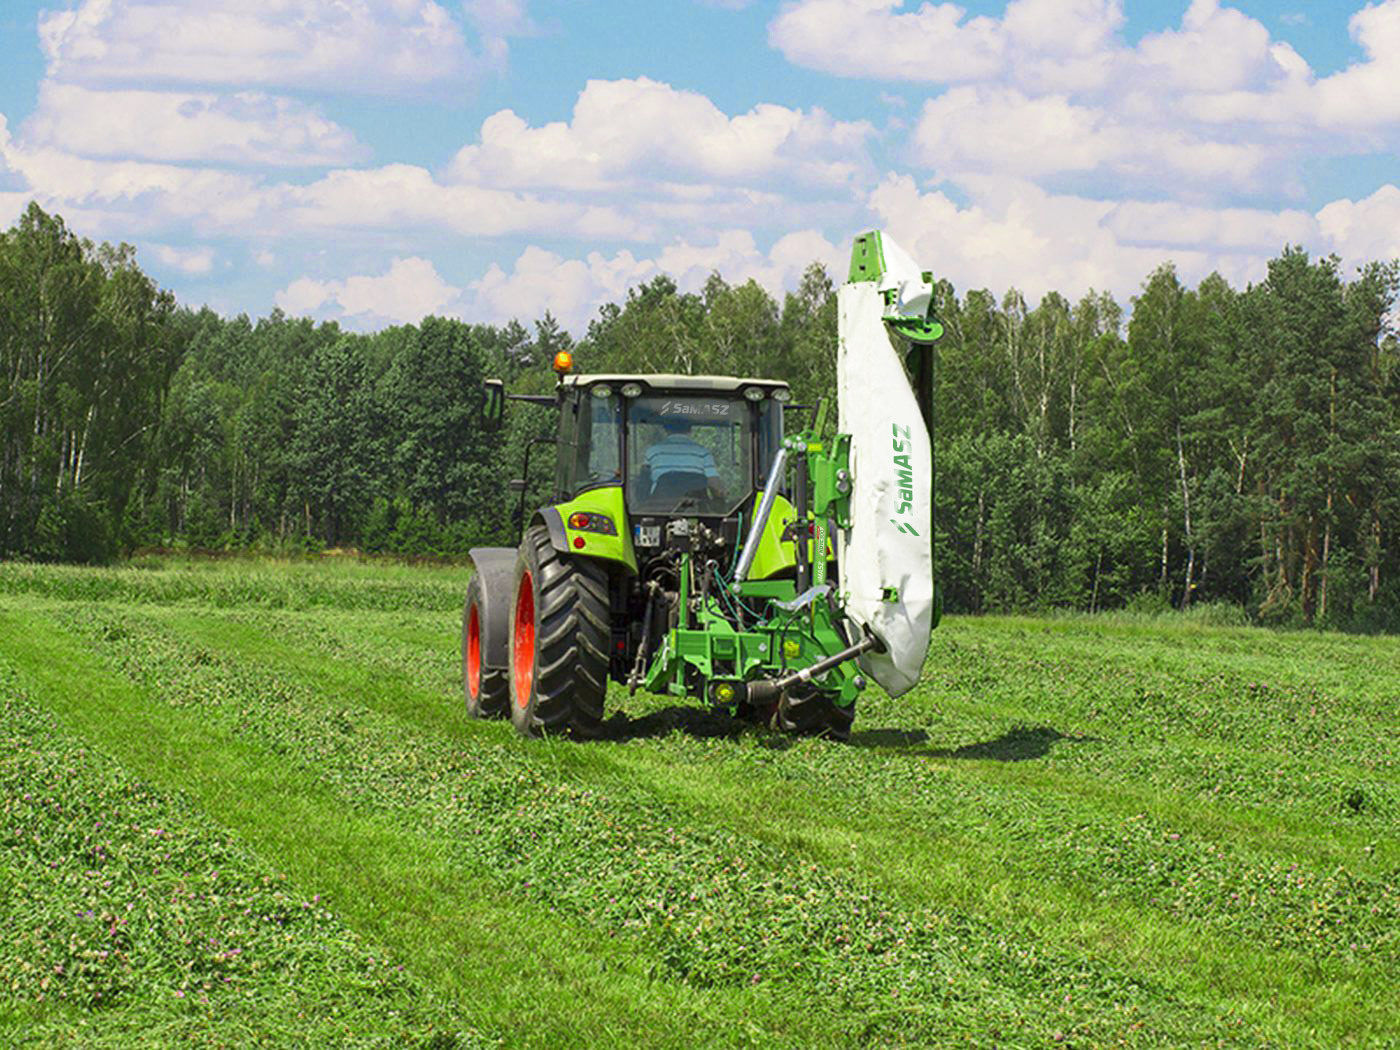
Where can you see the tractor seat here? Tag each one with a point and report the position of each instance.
(677, 484)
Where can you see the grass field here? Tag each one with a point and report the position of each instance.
(243, 805)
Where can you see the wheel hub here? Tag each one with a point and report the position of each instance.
(524, 641)
(474, 654)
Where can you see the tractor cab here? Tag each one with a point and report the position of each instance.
(676, 445)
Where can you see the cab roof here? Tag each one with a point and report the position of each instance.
(670, 381)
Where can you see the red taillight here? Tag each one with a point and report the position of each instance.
(584, 521)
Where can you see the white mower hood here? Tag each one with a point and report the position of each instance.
(886, 556)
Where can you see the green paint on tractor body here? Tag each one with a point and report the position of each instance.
(603, 506)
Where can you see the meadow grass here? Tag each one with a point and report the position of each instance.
(1095, 831)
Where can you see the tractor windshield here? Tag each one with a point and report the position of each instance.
(690, 453)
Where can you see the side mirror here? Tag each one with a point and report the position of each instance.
(493, 406)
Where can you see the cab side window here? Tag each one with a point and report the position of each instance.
(590, 440)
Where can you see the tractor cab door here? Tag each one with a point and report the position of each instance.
(590, 441)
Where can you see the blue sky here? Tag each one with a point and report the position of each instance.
(376, 160)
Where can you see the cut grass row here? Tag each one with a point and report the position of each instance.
(703, 911)
(131, 918)
(681, 889)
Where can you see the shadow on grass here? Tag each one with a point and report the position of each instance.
(1020, 744)
(715, 723)
(698, 722)
(883, 738)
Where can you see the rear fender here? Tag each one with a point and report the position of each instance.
(605, 501)
(496, 567)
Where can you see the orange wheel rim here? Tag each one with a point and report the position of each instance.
(524, 640)
(474, 654)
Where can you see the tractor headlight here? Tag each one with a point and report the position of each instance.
(782, 395)
(753, 393)
(583, 521)
(602, 390)
(631, 389)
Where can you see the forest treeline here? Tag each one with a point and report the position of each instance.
(1212, 444)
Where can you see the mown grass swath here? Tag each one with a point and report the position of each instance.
(1089, 830)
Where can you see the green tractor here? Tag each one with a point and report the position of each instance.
(697, 547)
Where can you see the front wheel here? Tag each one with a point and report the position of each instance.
(560, 625)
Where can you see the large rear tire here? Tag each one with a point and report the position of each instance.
(487, 687)
(560, 625)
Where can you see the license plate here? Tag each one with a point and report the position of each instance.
(648, 535)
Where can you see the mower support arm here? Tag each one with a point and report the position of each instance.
(760, 518)
(766, 690)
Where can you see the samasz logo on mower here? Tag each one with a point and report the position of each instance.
(903, 446)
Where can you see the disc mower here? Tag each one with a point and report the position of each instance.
(700, 547)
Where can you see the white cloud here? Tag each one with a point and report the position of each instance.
(247, 128)
(408, 291)
(1366, 93)
(1220, 66)
(875, 38)
(194, 261)
(305, 296)
(356, 45)
(991, 129)
(118, 197)
(1050, 88)
(736, 256)
(1054, 44)
(498, 20)
(404, 196)
(634, 131)
(1170, 226)
(573, 289)
(1010, 233)
(1365, 229)
(1215, 50)
(12, 202)
(1013, 233)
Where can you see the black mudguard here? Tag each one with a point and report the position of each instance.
(496, 567)
(552, 520)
